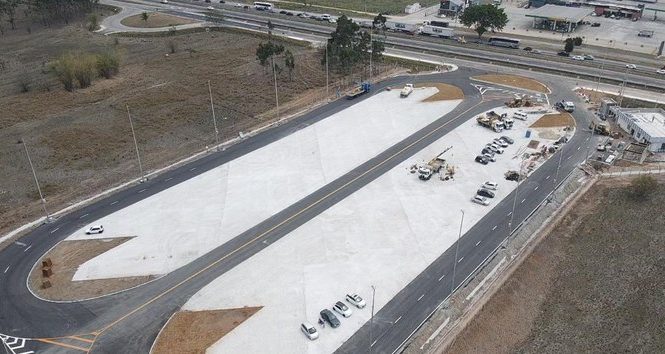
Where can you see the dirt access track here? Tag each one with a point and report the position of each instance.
(593, 284)
(155, 20)
(515, 81)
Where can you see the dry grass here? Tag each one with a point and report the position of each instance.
(446, 92)
(554, 120)
(67, 256)
(155, 20)
(594, 284)
(193, 332)
(514, 81)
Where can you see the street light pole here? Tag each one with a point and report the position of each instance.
(327, 76)
(371, 320)
(34, 174)
(459, 236)
(214, 120)
(517, 191)
(371, 53)
(136, 145)
(558, 166)
(623, 86)
(274, 72)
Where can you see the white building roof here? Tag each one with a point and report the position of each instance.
(651, 121)
(560, 13)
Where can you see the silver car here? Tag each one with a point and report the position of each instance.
(309, 330)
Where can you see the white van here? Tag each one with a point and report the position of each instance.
(520, 115)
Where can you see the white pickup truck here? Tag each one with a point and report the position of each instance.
(406, 91)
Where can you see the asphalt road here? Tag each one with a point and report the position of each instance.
(129, 321)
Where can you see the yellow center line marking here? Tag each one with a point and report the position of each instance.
(63, 344)
(167, 291)
(81, 339)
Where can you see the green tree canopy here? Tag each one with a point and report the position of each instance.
(483, 18)
(348, 45)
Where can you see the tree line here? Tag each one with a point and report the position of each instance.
(46, 12)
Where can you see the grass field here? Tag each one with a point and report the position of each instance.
(593, 285)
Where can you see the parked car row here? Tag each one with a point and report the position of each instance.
(486, 191)
(497, 145)
(330, 318)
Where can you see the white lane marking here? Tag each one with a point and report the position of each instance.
(82, 216)
(168, 179)
(116, 202)
(192, 169)
(397, 320)
(374, 342)
(535, 189)
(494, 228)
(579, 147)
(27, 248)
(7, 269)
(421, 297)
(548, 177)
(142, 190)
(587, 139)
(477, 243)
(20, 244)
(510, 213)
(568, 158)
(523, 200)
(56, 229)
(460, 259)
(441, 277)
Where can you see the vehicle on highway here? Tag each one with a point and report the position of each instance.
(504, 42)
(485, 193)
(563, 53)
(324, 17)
(282, 12)
(490, 157)
(95, 229)
(631, 66)
(577, 57)
(164, 1)
(490, 185)
(330, 317)
(660, 71)
(210, 8)
(588, 57)
(482, 159)
(480, 200)
(263, 6)
(500, 142)
(304, 15)
(565, 106)
(528, 49)
(508, 139)
(342, 309)
(355, 300)
(309, 330)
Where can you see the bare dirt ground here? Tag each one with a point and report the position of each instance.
(193, 332)
(66, 257)
(594, 284)
(155, 20)
(80, 142)
(554, 120)
(446, 92)
(514, 81)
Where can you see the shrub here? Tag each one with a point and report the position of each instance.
(93, 22)
(85, 69)
(577, 41)
(63, 68)
(108, 64)
(641, 187)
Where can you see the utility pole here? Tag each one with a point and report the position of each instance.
(274, 72)
(34, 174)
(214, 120)
(602, 66)
(558, 166)
(371, 52)
(371, 320)
(623, 86)
(459, 236)
(136, 146)
(517, 190)
(327, 77)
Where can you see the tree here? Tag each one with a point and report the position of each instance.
(266, 51)
(290, 63)
(577, 41)
(642, 187)
(379, 22)
(271, 26)
(144, 16)
(108, 64)
(93, 22)
(9, 9)
(348, 45)
(483, 18)
(569, 46)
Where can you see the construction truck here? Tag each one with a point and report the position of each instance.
(435, 165)
(600, 128)
(406, 91)
(519, 102)
(496, 122)
(359, 90)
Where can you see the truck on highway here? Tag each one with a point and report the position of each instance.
(406, 91)
(359, 90)
(401, 27)
(436, 29)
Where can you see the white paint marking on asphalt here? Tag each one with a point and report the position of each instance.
(168, 179)
(421, 297)
(142, 190)
(568, 158)
(374, 342)
(20, 244)
(116, 202)
(27, 248)
(535, 189)
(477, 243)
(510, 213)
(523, 200)
(7, 269)
(579, 147)
(587, 139)
(460, 259)
(436, 333)
(397, 320)
(56, 229)
(494, 228)
(441, 277)
(82, 216)
(548, 177)
(192, 169)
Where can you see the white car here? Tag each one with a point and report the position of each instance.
(661, 71)
(631, 66)
(490, 157)
(342, 309)
(495, 148)
(480, 200)
(491, 185)
(210, 8)
(501, 143)
(95, 229)
(577, 57)
(309, 330)
(355, 300)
